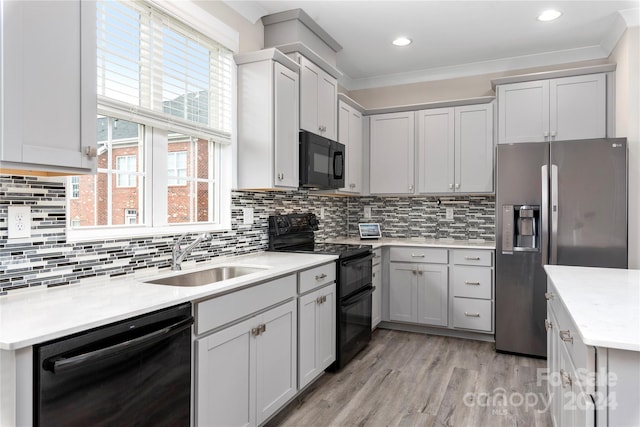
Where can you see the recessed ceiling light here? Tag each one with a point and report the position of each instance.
(549, 15)
(402, 41)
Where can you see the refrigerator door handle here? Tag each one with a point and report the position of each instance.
(545, 214)
(553, 259)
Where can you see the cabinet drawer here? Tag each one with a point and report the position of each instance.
(377, 256)
(316, 277)
(473, 257)
(472, 314)
(215, 312)
(417, 254)
(472, 282)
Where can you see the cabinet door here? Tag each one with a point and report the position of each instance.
(392, 153)
(376, 300)
(578, 107)
(350, 134)
(474, 149)
(276, 363)
(553, 369)
(309, 79)
(317, 333)
(402, 292)
(436, 150)
(523, 112)
(49, 84)
(286, 127)
(327, 105)
(225, 378)
(432, 294)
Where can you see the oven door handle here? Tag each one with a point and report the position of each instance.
(60, 364)
(356, 260)
(355, 299)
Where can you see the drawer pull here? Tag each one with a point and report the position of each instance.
(471, 283)
(321, 300)
(547, 324)
(417, 255)
(259, 330)
(321, 276)
(472, 314)
(548, 295)
(472, 258)
(566, 336)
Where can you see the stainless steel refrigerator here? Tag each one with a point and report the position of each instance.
(559, 202)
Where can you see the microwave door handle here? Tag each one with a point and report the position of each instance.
(337, 154)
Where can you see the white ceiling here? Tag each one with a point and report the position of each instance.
(454, 38)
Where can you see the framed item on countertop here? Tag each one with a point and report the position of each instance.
(369, 231)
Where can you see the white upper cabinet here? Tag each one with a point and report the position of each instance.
(48, 92)
(555, 109)
(318, 100)
(455, 149)
(350, 134)
(267, 120)
(392, 153)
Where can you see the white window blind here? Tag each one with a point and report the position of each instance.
(155, 70)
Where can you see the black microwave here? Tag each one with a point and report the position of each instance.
(321, 162)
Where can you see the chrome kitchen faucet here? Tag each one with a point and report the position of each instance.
(178, 253)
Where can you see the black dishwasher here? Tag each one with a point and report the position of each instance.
(136, 372)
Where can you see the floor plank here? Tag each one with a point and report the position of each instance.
(406, 379)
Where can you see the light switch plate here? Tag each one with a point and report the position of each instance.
(247, 216)
(367, 212)
(19, 222)
(449, 213)
(323, 212)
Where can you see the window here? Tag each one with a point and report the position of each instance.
(125, 165)
(177, 166)
(164, 129)
(75, 187)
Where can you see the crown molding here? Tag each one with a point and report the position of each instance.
(250, 10)
(477, 68)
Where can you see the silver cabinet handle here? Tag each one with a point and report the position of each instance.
(471, 314)
(546, 134)
(553, 134)
(457, 186)
(258, 330)
(566, 336)
(450, 186)
(547, 324)
(91, 152)
(321, 276)
(255, 331)
(472, 258)
(471, 283)
(566, 378)
(321, 300)
(411, 188)
(417, 255)
(415, 272)
(549, 295)
(352, 185)
(420, 272)
(373, 274)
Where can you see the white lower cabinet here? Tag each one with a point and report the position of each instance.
(246, 372)
(316, 333)
(418, 292)
(376, 297)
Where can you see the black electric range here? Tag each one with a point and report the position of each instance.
(295, 233)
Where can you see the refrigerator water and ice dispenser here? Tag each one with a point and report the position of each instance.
(520, 228)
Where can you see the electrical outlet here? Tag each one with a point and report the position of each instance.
(323, 211)
(19, 222)
(448, 213)
(367, 212)
(247, 216)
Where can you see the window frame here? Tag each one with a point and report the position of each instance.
(203, 21)
(126, 173)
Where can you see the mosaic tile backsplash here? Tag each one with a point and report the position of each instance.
(47, 259)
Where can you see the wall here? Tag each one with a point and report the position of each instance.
(251, 35)
(627, 56)
(444, 90)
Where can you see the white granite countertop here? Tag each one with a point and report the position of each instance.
(604, 303)
(417, 241)
(36, 315)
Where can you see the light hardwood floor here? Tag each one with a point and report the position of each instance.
(409, 379)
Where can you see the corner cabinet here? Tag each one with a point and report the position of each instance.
(318, 99)
(554, 109)
(350, 134)
(455, 149)
(48, 92)
(392, 147)
(267, 120)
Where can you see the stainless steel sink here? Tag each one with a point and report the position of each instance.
(206, 277)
